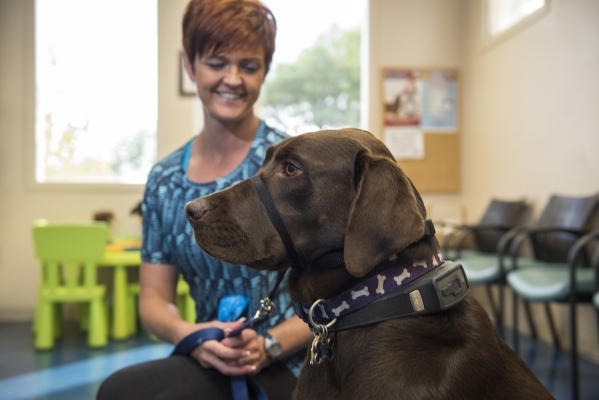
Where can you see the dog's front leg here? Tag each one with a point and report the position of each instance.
(317, 382)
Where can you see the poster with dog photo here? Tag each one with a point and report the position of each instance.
(402, 98)
(424, 98)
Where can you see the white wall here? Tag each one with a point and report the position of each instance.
(531, 126)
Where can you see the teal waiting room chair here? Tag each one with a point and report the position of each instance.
(491, 237)
(68, 253)
(583, 287)
(558, 245)
(563, 221)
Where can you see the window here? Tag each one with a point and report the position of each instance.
(96, 77)
(314, 81)
(500, 15)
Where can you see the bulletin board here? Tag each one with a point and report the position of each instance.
(420, 108)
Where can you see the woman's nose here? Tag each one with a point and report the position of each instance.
(233, 77)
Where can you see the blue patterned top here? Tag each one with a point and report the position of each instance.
(168, 237)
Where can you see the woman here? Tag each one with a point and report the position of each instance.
(228, 49)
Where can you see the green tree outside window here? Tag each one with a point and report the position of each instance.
(321, 89)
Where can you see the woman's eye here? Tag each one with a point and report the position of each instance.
(216, 66)
(250, 68)
(290, 169)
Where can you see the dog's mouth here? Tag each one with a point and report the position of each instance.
(233, 249)
(269, 264)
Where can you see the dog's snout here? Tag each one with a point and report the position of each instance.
(195, 210)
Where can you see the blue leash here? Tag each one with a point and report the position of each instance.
(240, 385)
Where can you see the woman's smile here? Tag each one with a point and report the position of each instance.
(229, 83)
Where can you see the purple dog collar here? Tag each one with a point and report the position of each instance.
(368, 291)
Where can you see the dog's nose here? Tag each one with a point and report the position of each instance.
(195, 210)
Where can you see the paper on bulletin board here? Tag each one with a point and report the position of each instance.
(405, 143)
(439, 97)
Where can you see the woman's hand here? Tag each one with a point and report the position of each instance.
(253, 346)
(237, 355)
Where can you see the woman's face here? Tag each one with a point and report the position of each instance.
(229, 83)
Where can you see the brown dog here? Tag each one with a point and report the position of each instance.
(343, 190)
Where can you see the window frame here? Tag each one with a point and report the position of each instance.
(489, 41)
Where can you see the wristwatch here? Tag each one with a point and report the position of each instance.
(272, 347)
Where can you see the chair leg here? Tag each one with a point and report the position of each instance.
(500, 325)
(574, 350)
(132, 314)
(494, 308)
(515, 322)
(44, 335)
(97, 335)
(554, 336)
(598, 323)
(181, 305)
(531, 322)
(190, 309)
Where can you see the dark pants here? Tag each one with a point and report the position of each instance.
(180, 377)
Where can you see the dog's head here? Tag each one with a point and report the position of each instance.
(336, 189)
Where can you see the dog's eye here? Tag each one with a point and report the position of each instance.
(290, 169)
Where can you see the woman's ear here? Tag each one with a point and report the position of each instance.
(189, 67)
(384, 217)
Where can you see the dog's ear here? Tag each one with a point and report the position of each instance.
(384, 217)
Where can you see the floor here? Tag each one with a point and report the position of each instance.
(73, 371)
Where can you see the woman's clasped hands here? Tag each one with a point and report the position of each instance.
(242, 354)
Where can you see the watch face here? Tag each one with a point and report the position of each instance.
(273, 347)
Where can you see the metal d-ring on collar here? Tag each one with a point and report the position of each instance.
(322, 345)
(322, 329)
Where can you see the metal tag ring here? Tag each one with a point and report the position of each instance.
(314, 324)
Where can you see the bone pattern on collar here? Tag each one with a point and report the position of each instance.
(368, 290)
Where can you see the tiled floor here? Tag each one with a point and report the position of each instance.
(73, 371)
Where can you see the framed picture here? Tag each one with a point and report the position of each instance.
(187, 87)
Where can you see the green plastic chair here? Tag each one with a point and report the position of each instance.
(185, 304)
(68, 253)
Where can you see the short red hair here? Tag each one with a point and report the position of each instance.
(212, 26)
